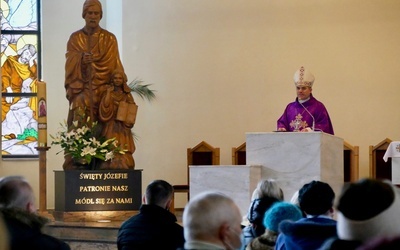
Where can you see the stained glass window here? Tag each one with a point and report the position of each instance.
(21, 69)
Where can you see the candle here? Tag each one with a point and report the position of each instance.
(42, 114)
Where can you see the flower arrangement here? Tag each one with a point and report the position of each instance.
(82, 144)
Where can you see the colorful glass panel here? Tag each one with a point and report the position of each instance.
(20, 66)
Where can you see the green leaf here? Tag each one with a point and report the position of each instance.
(142, 90)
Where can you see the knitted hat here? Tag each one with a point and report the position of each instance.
(279, 212)
(316, 198)
(367, 209)
(303, 77)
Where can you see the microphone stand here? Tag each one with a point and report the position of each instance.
(313, 123)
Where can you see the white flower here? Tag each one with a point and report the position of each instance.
(72, 149)
(109, 155)
(107, 142)
(70, 134)
(81, 142)
(88, 151)
(94, 141)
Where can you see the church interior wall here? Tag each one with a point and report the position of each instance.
(224, 68)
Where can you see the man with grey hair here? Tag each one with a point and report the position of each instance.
(211, 220)
(19, 213)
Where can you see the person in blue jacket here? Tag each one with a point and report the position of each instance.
(316, 201)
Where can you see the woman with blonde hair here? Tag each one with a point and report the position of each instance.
(267, 188)
(264, 196)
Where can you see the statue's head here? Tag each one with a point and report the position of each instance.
(120, 72)
(119, 78)
(90, 3)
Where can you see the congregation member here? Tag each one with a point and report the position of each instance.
(155, 227)
(24, 225)
(295, 201)
(264, 196)
(211, 221)
(316, 200)
(279, 212)
(306, 113)
(368, 216)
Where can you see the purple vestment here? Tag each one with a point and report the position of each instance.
(295, 118)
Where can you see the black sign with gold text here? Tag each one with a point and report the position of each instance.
(98, 190)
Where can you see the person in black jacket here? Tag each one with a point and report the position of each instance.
(154, 227)
(264, 196)
(19, 213)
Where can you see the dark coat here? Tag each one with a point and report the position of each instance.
(255, 215)
(153, 228)
(25, 231)
(306, 233)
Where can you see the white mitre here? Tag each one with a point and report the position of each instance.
(303, 77)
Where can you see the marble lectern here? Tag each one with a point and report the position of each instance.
(393, 151)
(236, 181)
(295, 158)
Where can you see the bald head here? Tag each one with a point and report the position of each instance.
(16, 192)
(207, 214)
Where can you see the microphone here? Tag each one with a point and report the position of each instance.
(313, 119)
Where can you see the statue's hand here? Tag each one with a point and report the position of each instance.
(110, 88)
(87, 58)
